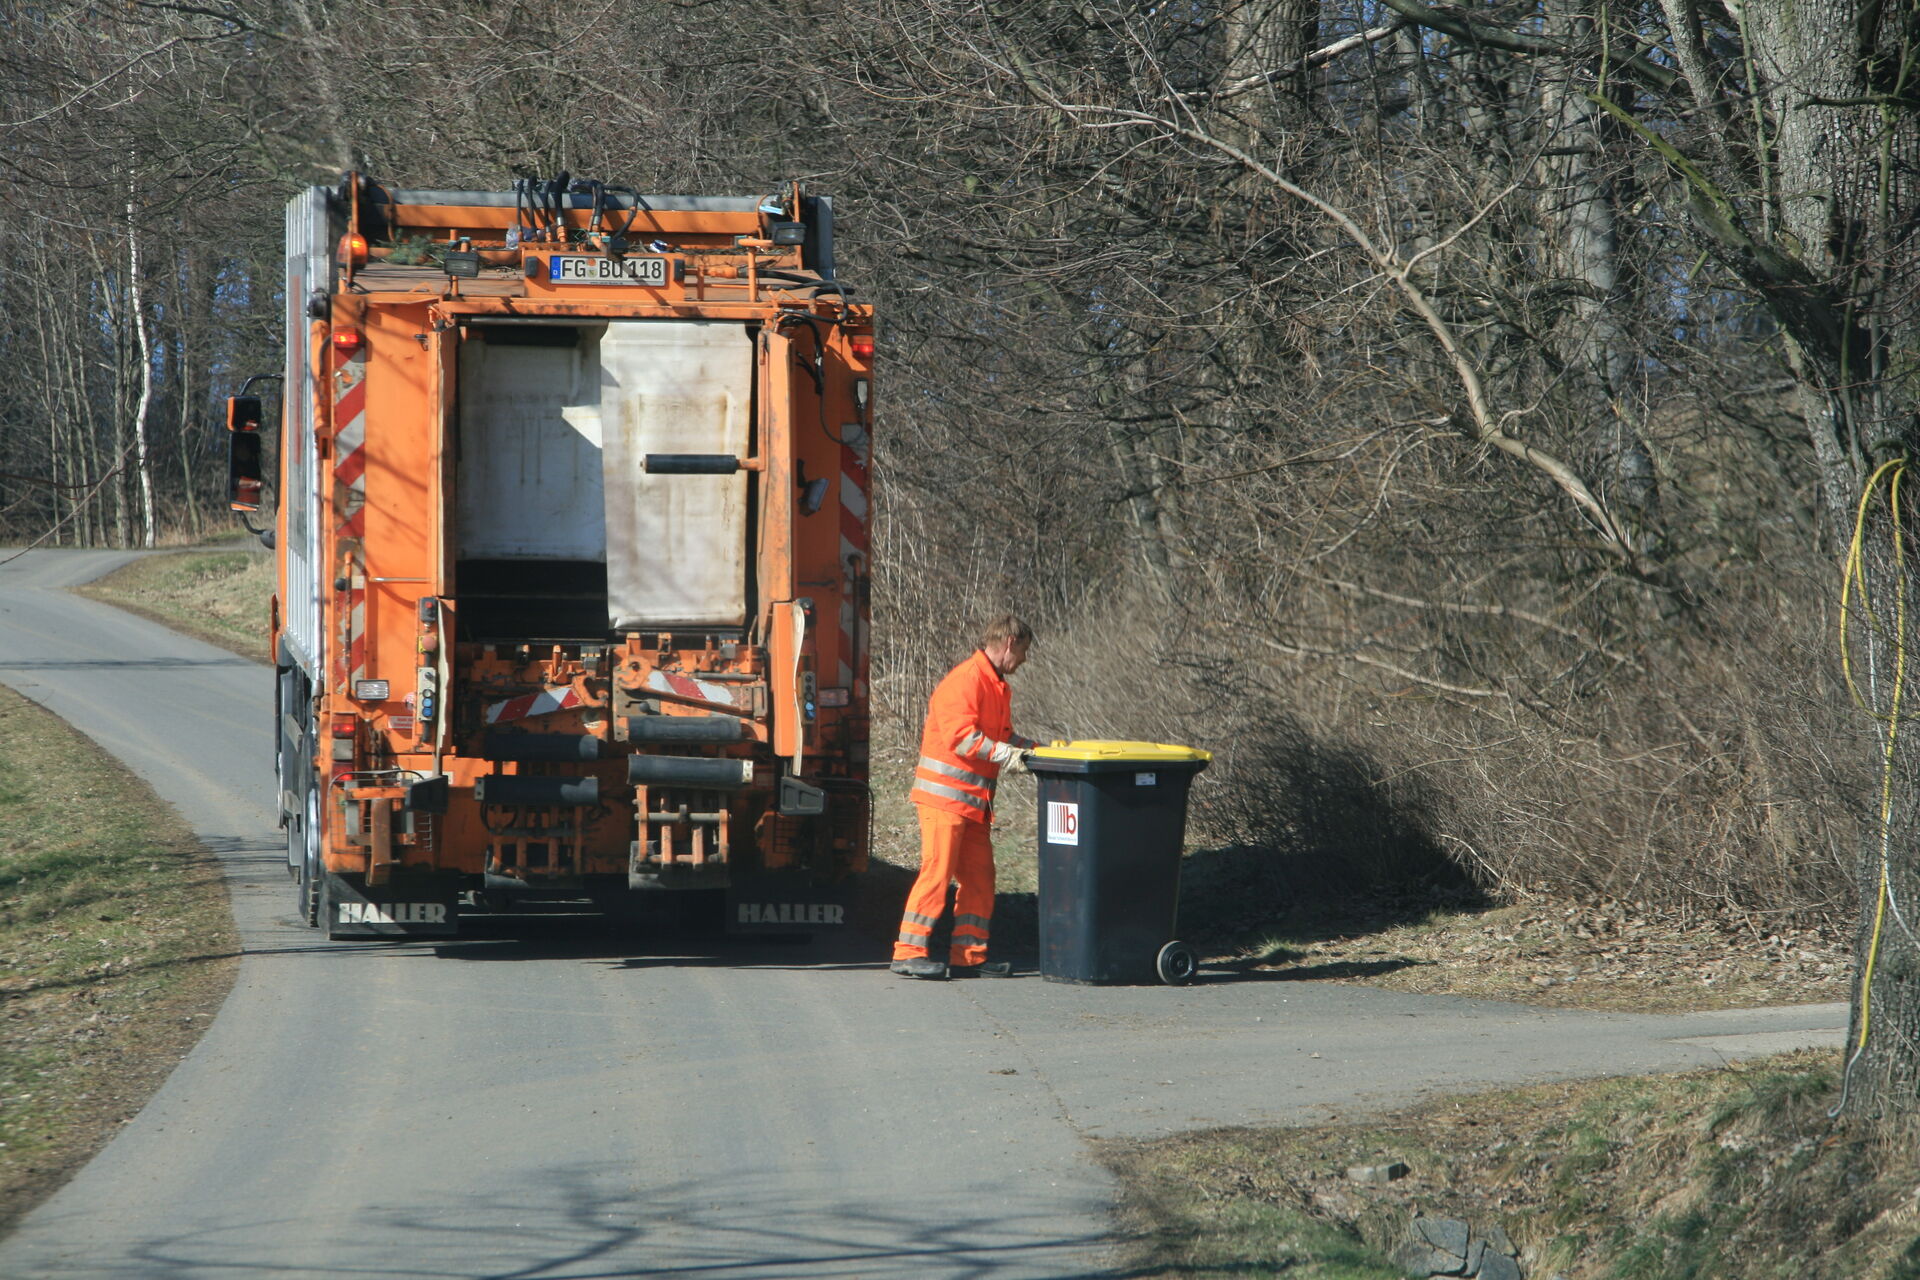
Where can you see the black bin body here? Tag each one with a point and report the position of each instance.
(1111, 831)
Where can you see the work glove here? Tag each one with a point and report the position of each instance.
(1005, 754)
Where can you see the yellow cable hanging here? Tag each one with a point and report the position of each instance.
(1855, 570)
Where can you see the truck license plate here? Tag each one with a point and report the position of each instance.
(582, 270)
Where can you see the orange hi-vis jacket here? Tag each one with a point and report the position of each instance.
(970, 713)
(968, 716)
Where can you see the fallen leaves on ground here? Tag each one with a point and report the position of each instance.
(1603, 955)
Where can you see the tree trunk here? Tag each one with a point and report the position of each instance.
(1582, 203)
(1844, 147)
(322, 61)
(186, 423)
(144, 349)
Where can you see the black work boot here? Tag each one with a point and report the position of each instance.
(986, 969)
(919, 967)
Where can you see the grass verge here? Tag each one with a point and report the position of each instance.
(217, 596)
(116, 948)
(1729, 1174)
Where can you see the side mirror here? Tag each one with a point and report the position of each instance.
(245, 480)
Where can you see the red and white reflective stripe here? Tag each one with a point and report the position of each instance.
(688, 687)
(349, 505)
(853, 541)
(555, 697)
(349, 447)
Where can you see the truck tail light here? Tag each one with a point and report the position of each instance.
(862, 344)
(345, 726)
(347, 341)
(429, 613)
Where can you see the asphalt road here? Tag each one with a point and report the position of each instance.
(576, 1102)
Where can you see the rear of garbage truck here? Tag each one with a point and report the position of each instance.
(571, 518)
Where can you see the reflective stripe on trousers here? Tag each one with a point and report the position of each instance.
(969, 932)
(915, 931)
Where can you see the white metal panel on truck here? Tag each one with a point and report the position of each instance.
(528, 480)
(676, 544)
(309, 271)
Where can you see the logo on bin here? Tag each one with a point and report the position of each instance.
(1063, 823)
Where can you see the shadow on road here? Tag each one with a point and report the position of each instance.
(1333, 972)
(124, 664)
(662, 939)
(592, 1220)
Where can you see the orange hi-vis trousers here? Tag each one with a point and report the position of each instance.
(952, 848)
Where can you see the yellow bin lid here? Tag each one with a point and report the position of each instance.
(1102, 750)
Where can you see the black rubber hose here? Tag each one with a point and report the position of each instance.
(710, 773)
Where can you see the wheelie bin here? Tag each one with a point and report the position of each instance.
(1113, 817)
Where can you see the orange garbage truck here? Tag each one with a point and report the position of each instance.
(570, 507)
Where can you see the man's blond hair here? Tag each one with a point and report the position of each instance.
(1006, 627)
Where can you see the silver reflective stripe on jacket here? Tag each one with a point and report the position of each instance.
(946, 792)
(958, 774)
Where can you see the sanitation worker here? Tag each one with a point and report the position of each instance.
(968, 739)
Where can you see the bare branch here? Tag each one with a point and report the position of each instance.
(1484, 427)
(1319, 57)
(1483, 610)
(1301, 651)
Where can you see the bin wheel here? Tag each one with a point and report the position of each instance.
(1177, 964)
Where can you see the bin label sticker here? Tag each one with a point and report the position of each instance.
(1063, 823)
(1146, 779)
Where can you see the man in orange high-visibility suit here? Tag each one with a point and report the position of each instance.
(968, 739)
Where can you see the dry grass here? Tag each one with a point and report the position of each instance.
(116, 947)
(217, 596)
(1729, 1174)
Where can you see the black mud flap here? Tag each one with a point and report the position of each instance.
(418, 910)
(785, 902)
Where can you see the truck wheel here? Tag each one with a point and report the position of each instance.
(1177, 964)
(302, 869)
(307, 852)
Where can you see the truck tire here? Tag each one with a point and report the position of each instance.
(304, 846)
(302, 873)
